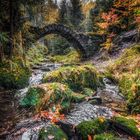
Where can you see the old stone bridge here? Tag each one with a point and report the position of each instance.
(84, 44)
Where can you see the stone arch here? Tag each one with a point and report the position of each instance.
(71, 36)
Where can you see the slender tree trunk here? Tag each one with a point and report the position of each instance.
(1, 53)
(11, 28)
(22, 47)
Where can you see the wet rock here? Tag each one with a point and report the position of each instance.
(96, 100)
(67, 128)
(110, 93)
(86, 111)
(36, 67)
(28, 129)
(45, 69)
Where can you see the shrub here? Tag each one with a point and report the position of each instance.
(13, 75)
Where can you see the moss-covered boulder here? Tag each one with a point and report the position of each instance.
(127, 71)
(105, 136)
(107, 129)
(13, 74)
(76, 77)
(129, 126)
(92, 127)
(48, 95)
(52, 133)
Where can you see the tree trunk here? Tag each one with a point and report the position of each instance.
(1, 53)
(11, 28)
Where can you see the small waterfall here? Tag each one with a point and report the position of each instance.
(110, 91)
(37, 76)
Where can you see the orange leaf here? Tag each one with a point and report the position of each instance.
(89, 137)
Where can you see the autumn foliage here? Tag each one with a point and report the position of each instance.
(53, 116)
(109, 19)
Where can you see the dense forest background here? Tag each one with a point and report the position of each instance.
(109, 18)
(113, 27)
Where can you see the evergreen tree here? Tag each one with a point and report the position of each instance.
(63, 12)
(89, 22)
(13, 18)
(76, 12)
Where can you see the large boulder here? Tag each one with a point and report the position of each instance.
(76, 77)
(49, 96)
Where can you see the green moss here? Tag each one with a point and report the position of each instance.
(48, 95)
(36, 54)
(88, 92)
(76, 77)
(52, 131)
(72, 57)
(77, 97)
(127, 71)
(62, 94)
(129, 124)
(91, 128)
(32, 98)
(105, 136)
(134, 102)
(13, 74)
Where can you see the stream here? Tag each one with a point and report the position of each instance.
(110, 100)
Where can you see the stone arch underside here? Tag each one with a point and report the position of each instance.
(71, 36)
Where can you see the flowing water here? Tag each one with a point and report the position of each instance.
(37, 75)
(90, 110)
(27, 129)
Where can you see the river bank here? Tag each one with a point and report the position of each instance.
(102, 103)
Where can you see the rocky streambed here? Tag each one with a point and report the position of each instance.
(103, 104)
